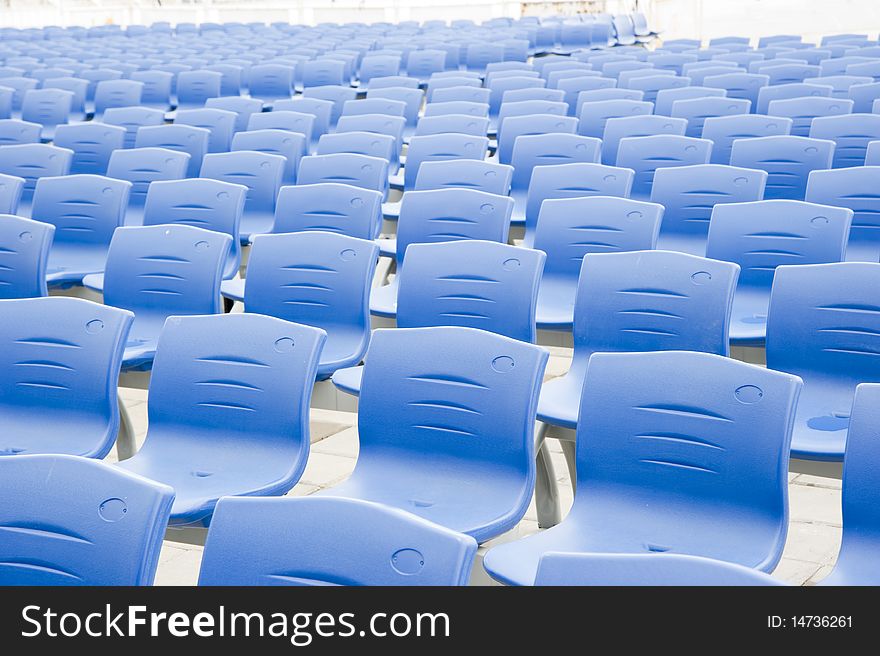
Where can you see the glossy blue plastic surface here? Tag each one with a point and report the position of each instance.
(76, 521)
(32, 162)
(371, 144)
(856, 188)
(690, 192)
(724, 130)
(441, 147)
(823, 325)
(48, 108)
(133, 118)
(518, 126)
(261, 173)
(666, 98)
(802, 111)
(392, 126)
(762, 235)
(338, 95)
(696, 110)
(594, 114)
(142, 166)
(202, 203)
(466, 173)
(290, 145)
(15, 131)
(457, 107)
(241, 106)
(319, 279)
(679, 452)
(640, 569)
(11, 187)
(195, 87)
(269, 82)
(219, 122)
(161, 271)
(645, 155)
(739, 85)
(788, 161)
(329, 207)
(117, 93)
(24, 254)
(445, 422)
(183, 138)
(92, 144)
(577, 180)
(228, 410)
(61, 357)
(641, 301)
(851, 134)
(476, 126)
(337, 542)
(412, 99)
(345, 168)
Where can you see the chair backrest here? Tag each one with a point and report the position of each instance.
(329, 207)
(422, 386)
(270, 81)
(762, 235)
(391, 546)
(527, 108)
(530, 151)
(569, 228)
(825, 318)
(91, 523)
(466, 173)
(394, 81)
(117, 93)
(862, 95)
(34, 161)
(141, 166)
(338, 95)
(652, 301)
(260, 172)
(855, 188)
(92, 144)
(319, 279)
(132, 119)
(850, 133)
(787, 91)
(576, 180)
(290, 145)
(242, 107)
(453, 123)
(201, 203)
(183, 138)
(471, 283)
(676, 434)
(666, 97)
(788, 161)
(195, 87)
(618, 128)
(300, 122)
(739, 85)
(697, 110)
(165, 270)
(723, 131)
(372, 144)
(47, 107)
(517, 126)
(373, 66)
(157, 88)
(219, 122)
(802, 111)
(14, 131)
(61, 356)
(537, 93)
(457, 90)
(24, 253)
(689, 193)
(11, 188)
(451, 214)
(645, 155)
(346, 168)
(457, 108)
(412, 99)
(321, 110)
(441, 147)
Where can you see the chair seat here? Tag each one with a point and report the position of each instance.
(233, 289)
(348, 379)
(388, 247)
(748, 318)
(25, 434)
(94, 281)
(383, 300)
(255, 223)
(555, 309)
(559, 403)
(518, 216)
(342, 349)
(822, 420)
(72, 265)
(140, 348)
(444, 495)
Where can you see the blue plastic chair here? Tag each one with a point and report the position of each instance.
(392, 126)
(855, 563)
(645, 155)
(578, 180)
(470, 174)
(663, 103)
(182, 138)
(739, 85)
(436, 147)
(300, 122)
(142, 166)
(840, 84)
(290, 145)
(518, 126)
(724, 130)
(79, 522)
(329, 207)
(322, 72)
(641, 301)
(452, 124)
(445, 382)
(268, 82)
(157, 88)
(157, 272)
(132, 119)
(763, 235)
(528, 108)
(498, 87)
(822, 326)
(261, 173)
(321, 110)
(412, 99)
(31, 162)
(570, 228)
(679, 452)
(392, 547)
(790, 91)
(201, 203)
(457, 108)
(24, 254)
(378, 65)
(862, 95)
(14, 131)
(117, 93)
(382, 106)
(394, 81)
(241, 106)
(195, 87)
(788, 161)
(697, 110)
(92, 144)
(855, 188)
(372, 144)
(651, 85)
(802, 111)
(461, 90)
(338, 95)
(228, 410)
(618, 128)
(439, 215)
(346, 168)
(62, 358)
(48, 108)
(850, 133)
(319, 279)
(11, 188)
(641, 569)
(470, 283)
(219, 122)
(230, 78)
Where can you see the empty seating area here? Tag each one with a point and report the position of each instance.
(546, 301)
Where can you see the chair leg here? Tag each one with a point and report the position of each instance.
(568, 450)
(546, 490)
(125, 442)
